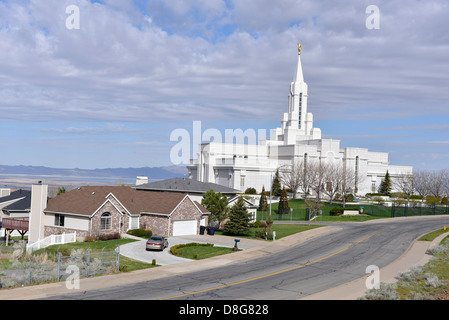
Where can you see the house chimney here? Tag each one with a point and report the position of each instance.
(39, 195)
(5, 192)
(141, 180)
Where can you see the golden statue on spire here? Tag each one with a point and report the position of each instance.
(299, 49)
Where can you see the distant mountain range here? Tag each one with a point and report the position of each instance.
(157, 173)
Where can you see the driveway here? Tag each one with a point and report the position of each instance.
(136, 250)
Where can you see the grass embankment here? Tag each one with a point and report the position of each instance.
(95, 247)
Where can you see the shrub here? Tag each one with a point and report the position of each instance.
(439, 249)
(90, 239)
(143, 233)
(257, 224)
(413, 274)
(386, 291)
(432, 200)
(260, 233)
(109, 236)
(250, 190)
(432, 280)
(336, 211)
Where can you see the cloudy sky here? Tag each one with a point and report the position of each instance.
(110, 93)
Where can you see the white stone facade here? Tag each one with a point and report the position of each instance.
(241, 166)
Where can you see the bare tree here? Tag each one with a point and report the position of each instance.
(317, 177)
(405, 182)
(348, 180)
(292, 176)
(333, 178)
(436, 183)
(421, 183)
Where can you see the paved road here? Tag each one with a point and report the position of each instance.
(314, 266)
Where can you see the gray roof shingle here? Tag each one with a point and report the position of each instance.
(186, 185)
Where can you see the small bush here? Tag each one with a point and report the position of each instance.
(336, 211)
(109, 236)
(90, 239)
(260, 233)
(386, 291)
(413, 274)
(432, 280)
(250, 190)
(142, 233)
(257, 224)
(439, 249)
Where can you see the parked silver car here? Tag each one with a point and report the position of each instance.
(157, 242)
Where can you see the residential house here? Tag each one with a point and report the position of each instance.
(97, 210)
(14, 204)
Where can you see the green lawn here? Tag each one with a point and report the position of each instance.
(432, 235)
(370, 211)
(282, 230)
(299, 212)
(202, 252)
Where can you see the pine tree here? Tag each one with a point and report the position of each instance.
(263, 203)
(276, 186)
(385, 186)
(239, 219)
(283, 208)
(217, 205)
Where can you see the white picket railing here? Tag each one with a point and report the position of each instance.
(51, 240)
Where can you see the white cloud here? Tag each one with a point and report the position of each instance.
(170, 61)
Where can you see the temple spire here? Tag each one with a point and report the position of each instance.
(298, 77)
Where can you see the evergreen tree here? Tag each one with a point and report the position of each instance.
(239, 219)
(217, 205)
(283, 208)
(385, 186)
(269, 228)
(276, 188)
(263, 203)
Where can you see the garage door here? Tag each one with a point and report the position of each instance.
(186, 227)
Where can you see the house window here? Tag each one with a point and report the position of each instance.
(106, 221)
(59, 220)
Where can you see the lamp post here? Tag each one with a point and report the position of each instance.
(271, 187)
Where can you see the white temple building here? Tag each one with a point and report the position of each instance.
(244, 165)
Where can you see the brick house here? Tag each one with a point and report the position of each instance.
(97, 210)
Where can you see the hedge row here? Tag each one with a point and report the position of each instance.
(143, 233)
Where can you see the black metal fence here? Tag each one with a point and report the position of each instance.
(300, 211)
